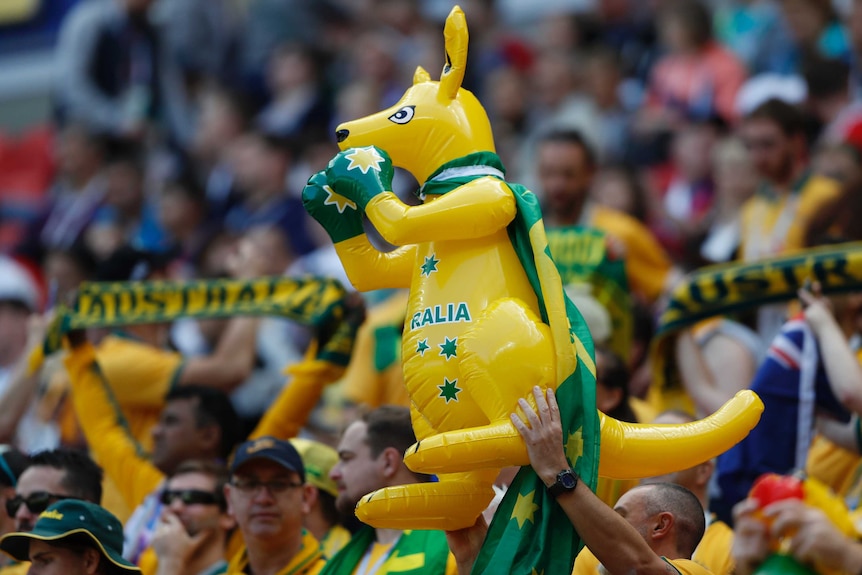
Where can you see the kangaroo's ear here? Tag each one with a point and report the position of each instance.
(420, 75)
(455, 40)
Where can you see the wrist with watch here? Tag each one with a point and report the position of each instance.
(566, 482)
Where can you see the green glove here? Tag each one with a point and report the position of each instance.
(360, 174)
(339, 216)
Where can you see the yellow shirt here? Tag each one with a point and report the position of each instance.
(308, 561)
(140, 376)
(374, 376)
(111, 444)
(334, 540)
(714, 550)
(647, 264)
(831, 464)
(15, 569)
(774, 224)
(587, 564)
(610, 490)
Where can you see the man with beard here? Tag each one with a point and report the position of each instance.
(788, 210)
(792, 206)
(269, 498)
(370, 456)
(192, 534)
(566, 167)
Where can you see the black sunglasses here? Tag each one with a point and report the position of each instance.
(36, 502)
(189, 497)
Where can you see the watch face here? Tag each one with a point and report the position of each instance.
(568, 480)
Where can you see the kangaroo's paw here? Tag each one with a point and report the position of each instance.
(491, 446)
(446, 505)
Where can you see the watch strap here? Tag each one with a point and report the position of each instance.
(567, 480)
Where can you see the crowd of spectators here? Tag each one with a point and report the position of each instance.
(182, 132)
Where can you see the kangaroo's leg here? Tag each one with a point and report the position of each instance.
(505, 353)
(452, 503)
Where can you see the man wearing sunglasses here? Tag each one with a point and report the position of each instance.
(192, 534)
(52, 476)
(269, 498)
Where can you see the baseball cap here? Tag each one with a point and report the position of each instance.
(272, 449)
(69, 517)
(318, 460)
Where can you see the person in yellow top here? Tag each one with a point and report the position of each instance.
(566, 166)
(792, 207)
(788, 211)
(138, 352)
(323, 519)
(196, 423)
(652, 529)
(374, 376)
(714, 550)
(269, 498)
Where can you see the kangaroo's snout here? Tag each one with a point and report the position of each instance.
(341, 135)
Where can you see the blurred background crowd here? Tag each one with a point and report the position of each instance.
(147, 139)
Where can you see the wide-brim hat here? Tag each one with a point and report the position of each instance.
(70, 517)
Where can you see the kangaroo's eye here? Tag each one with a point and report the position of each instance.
(403, 115)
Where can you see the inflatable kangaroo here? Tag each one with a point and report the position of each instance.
(487, 318)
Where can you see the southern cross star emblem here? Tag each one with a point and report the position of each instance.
(575, 445)
(449, 348)
(430, 265)
(340, 202)
(422, 347)
(364, 159)
(449, 390)
(525, 508)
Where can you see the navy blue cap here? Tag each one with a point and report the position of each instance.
(276, 450)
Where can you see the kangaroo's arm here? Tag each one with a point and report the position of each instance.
(370, 269)
(474, 210)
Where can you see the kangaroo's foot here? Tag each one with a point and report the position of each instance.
(449, 504)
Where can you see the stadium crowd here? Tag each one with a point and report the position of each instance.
(683, 132)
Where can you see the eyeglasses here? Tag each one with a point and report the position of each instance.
(189, 497)
(36, 502)
(276, 487)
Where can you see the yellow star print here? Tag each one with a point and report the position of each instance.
(575, 446)
(534, 572)
(340, 202)
(525, 508)
(364, 159)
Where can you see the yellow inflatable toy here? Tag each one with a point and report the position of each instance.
(487, 318)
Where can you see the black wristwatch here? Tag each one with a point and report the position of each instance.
(566, 482)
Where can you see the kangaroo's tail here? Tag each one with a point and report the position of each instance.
(631, 451)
